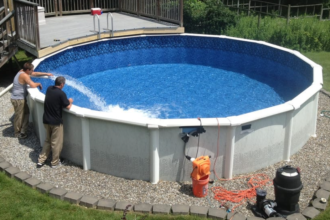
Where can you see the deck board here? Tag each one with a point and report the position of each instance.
(75, 26)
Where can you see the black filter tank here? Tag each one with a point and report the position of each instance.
(287, 186)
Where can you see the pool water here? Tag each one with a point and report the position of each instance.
(177, 77)
(170, 91)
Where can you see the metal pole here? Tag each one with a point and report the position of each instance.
(237, 7)
(86, 151)
(6, 90)
(288, 16)
(154, 153)
(280, 8)
(249, 7)
(288, 136)
(298, 12)
(321, 16)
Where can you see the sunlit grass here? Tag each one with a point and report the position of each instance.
(322, 58)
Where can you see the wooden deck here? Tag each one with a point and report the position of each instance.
(60, 32)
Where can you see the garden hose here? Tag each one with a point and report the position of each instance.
(325, 113)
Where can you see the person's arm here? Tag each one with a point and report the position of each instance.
(70, 105)
(41, 74)
(28, 80)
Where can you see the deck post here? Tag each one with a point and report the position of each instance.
(16, 22)
(56, 8)
(37, 35)
(120, 5)
(138, 8)
(158, 10)
(181, 13)
(61, 8)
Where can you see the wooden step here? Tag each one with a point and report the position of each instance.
(4, 33)
(4, 45)
(5, 57)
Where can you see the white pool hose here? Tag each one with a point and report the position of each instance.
(6, 90)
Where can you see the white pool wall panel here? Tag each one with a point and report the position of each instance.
(129, 148)
(262, 146)
(119, 149)
(303, 122)
(173, 163)
(72, 143)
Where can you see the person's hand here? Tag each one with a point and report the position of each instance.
(49, 74)
(70, 100)
(40, 86)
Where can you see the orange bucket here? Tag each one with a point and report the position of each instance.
(200, 187)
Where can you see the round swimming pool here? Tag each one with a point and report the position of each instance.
(135, 96)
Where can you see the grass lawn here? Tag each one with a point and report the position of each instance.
(18, 201)
(323, 59)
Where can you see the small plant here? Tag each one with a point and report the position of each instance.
(125, 212)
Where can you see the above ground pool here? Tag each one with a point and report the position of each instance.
(135, 99)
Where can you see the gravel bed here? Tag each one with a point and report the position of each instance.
(313, 160)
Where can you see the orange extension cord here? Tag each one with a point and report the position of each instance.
(238, 196)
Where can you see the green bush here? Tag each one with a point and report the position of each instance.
(303, 34)
(207, 17)
(212, 17)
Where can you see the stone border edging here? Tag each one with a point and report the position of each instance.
(315, 208)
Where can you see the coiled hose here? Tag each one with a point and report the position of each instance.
(325, 113)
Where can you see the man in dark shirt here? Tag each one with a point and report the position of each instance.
(55, 101)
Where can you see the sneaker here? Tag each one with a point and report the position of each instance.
(58, 165)
(22, 136)
(39, 165)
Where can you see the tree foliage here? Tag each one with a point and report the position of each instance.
(212, 17)
(207, 17)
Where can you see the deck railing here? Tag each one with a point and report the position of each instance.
(164, 10)
(7, 36)
(167, 10)
(5, 29)
(26, 23)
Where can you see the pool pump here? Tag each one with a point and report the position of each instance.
(264, 207)
(287, 187)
